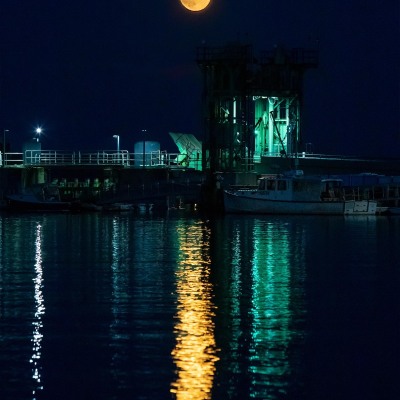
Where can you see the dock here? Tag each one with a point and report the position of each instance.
(104, 176)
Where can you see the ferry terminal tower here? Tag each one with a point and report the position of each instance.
(251, 104)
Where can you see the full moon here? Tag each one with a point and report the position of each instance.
(195, 5)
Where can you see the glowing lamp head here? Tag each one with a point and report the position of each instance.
(38, 131)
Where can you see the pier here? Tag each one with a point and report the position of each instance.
(104, 176)
(154, 179)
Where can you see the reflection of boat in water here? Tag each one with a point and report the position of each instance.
(295, 194)
(40, 198)
(84, 206)
(118, 207)
(3, 204)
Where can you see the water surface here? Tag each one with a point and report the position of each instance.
(178, 306)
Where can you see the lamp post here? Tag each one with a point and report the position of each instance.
(117, 137)
(144, 147)
(4, 146)
(38, 132)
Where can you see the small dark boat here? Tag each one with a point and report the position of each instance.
(42, 198)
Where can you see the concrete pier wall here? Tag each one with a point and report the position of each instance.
(106, 183)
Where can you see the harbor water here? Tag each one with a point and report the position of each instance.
(182, 306)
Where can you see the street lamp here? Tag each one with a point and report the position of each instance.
(144, 131)
(4, 146)
(38, 132)
(117, 137)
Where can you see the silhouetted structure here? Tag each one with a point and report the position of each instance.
(251, 104)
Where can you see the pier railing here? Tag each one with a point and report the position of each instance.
(154, 159)
(54, 157)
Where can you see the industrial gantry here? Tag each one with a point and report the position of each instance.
(251, 104)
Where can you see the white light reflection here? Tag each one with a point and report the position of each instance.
(39, 312)
(195, 352)
(119, 334)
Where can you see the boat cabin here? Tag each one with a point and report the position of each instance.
(331, 189)
(276, 188)
(300, 188)
(273, 184)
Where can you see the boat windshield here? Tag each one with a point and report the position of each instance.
(272, 184)
(331, 189)
(282, 184)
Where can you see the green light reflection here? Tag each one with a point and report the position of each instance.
(261, 305)
(270, 300)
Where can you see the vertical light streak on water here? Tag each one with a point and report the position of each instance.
(235, 289)
(39, 313)
(270, 309)
(195, 352)
(119, 333)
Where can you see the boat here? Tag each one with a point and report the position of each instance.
(293, 193)
(40, 198)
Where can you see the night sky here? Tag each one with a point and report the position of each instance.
(87, 70)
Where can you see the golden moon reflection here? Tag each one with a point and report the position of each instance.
(195, 5)
(195, 352)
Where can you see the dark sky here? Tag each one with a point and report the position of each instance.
(86, 70)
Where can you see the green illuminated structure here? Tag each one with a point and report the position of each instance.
(251, 104)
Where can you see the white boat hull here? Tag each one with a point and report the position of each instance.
(247, 202)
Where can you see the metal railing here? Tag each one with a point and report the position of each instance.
(123, 158)
(57, 157)
(13, 159)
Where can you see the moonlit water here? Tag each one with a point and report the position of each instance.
(177, 306)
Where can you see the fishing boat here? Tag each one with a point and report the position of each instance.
(39, 198)
(293, 193)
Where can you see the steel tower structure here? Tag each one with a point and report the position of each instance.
(251, 104)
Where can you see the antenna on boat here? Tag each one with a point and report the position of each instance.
(283, 151)
(296, 153)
